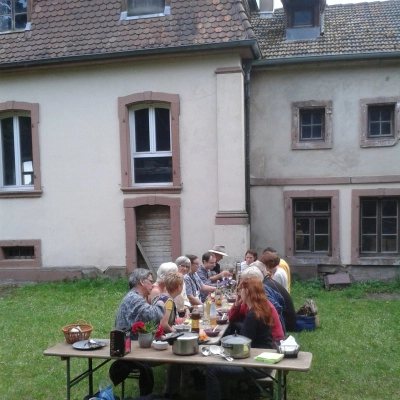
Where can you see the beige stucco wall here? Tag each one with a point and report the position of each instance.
(80, 216)
(272, 92)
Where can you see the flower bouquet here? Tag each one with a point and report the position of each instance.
(146, 332)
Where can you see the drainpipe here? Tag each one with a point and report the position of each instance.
(247, 68)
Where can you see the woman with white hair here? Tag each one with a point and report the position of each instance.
(159, 286)
(181, 301)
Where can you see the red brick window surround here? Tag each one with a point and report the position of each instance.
(311, 125)
(380, 121)
(20, 253)
(19, 152)
(149, 102)
(302, 255)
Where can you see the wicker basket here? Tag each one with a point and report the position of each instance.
(83, 334)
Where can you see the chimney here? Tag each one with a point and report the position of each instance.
(266, 8)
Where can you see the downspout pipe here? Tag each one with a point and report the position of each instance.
(247, 68)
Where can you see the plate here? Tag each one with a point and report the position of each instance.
(83, 345)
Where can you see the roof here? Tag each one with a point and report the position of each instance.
(349, 29)
(83, 28)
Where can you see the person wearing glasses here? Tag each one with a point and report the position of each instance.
(181, 301)
(134, 308)
(194, 285)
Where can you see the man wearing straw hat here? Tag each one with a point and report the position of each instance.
(219, 252)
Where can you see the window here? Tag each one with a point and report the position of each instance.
(379, 225)
(19, 149)
(380, 122)
(20, 253)
(145, 8)
(151, 144)
(13, 15)
(149, 126)
(302, 17)
(312, 227)
(312, 125)
(312, 221)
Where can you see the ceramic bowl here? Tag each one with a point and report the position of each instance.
(221, 311)
(211, 333)
(158, 345)
(221, 321)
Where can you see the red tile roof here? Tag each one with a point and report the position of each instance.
(82, 28)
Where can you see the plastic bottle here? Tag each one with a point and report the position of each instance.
(195, 316)
(218, 295)
(213, 315)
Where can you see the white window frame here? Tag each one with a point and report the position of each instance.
(17, 154)
(167, 10)
(153, 152)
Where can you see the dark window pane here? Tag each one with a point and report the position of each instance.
(322, 226)
(374, 114)
(25, 135)
(20, 21)
(317, 118)
(145, 7)
(389, 244)
(368, 244)
(322, 243)
(8, 151)
(386, 128)
(20, 6)
(368, 208)
(306, 118)
(302, 17)
(303, 206)
(368, 226)
(321, 206)
(374, 129)
(142, 132)
(386, 114)
(5, 7)
(389, 208)
(316, 132)
(153, 170)
(163, 136)
(305, 132)
(5, 23)
(389, 226)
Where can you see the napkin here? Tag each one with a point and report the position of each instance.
(290, 341)
(270, 358)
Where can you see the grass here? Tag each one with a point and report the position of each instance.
(355, 349)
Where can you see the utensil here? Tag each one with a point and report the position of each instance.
(215, 328)
(216, 350)
(205, 351)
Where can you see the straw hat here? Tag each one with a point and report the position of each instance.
(218, 249)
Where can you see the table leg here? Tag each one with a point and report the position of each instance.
(90, 369)
(68, 378)
(280, 385)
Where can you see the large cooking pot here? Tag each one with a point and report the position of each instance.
(184, 344)
(236, 346)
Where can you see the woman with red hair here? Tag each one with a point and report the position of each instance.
(257, 327)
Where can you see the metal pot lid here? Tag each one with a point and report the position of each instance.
(188, 336)
(235, 339)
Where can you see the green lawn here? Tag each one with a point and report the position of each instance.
(355, 350)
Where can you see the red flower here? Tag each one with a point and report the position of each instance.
(137, 326)
(160, 331)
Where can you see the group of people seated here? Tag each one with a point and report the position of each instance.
(263, 310)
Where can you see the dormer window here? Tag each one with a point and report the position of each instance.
(135, 9)
(13, 15)
(303, 18)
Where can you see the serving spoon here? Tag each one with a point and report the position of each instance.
(216, 350)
